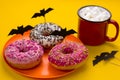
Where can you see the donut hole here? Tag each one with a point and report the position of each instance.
(20, 46)
(23, 48)
(67, 50)
(46, 30)
(45, 33)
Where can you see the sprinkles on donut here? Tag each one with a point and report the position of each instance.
(68, 55)
(23, 54)
(42, 34)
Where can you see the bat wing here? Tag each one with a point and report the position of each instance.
(63, 32)
(110, 55)
(36, 15)
(99, 58)
(95, 61)
(43, 11)
(13, 31)
(28, 27)
(71, 32)
(60, 33)
(56, 33)
(48, 10)
(113, 53)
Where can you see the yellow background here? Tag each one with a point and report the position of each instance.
(14, 13)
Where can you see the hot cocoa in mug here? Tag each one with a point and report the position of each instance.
(93, 25)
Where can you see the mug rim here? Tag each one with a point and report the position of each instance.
(94, 21)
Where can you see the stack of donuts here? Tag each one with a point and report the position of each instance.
(64, 54)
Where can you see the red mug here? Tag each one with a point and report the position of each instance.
(92, 30)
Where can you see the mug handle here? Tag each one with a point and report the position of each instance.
(117, 30)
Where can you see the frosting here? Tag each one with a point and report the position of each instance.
(41, 34)
(68, 53)
(23, 52)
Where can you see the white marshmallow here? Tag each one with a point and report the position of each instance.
(94, 13)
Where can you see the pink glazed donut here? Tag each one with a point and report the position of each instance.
(68, 55)
(23, 54)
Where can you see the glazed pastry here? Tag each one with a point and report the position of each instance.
(42, 34)
(68, 55)
(23, 54)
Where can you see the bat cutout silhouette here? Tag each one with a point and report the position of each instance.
(104, 56)
(63, 32)
(20, 30)
(42, 12)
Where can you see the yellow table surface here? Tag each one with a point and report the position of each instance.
(14, 13)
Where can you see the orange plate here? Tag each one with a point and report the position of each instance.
(44, 70)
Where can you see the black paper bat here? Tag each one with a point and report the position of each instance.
(100, 58)
(63, 32)
(104, 56)
(20, 30)
(42, 13)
